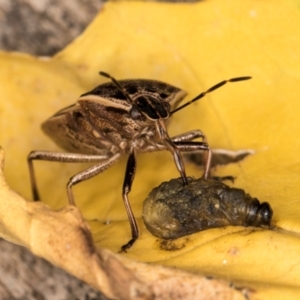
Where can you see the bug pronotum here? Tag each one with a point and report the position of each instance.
(117, 118)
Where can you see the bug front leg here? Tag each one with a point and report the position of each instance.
(196, 146)
(189, 136)
(171, 146)
(58, 157)
(129, 177)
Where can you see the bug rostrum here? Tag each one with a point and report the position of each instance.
(117, 118)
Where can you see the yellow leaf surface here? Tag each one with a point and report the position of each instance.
(192, 46)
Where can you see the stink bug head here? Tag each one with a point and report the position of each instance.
(152, 105)
(143, 100)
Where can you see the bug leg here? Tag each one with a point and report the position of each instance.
(196, 146)
(35, 193)
(207, 156)
(89, 173)
(58, 157)
(171, 146)
(129, 176)
(189, 136)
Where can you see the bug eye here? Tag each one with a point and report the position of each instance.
(135, 114)
(265, 213)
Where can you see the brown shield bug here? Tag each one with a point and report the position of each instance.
(116, 118)
(173, 210)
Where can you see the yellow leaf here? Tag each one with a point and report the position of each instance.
(192, 46)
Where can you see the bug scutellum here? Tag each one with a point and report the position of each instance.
(116, 118)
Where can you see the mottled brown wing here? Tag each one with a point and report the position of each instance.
(70, 130)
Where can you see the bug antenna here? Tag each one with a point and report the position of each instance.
(117, 84)
(216, 86)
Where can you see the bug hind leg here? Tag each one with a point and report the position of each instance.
(89, 173)
(57, 157)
